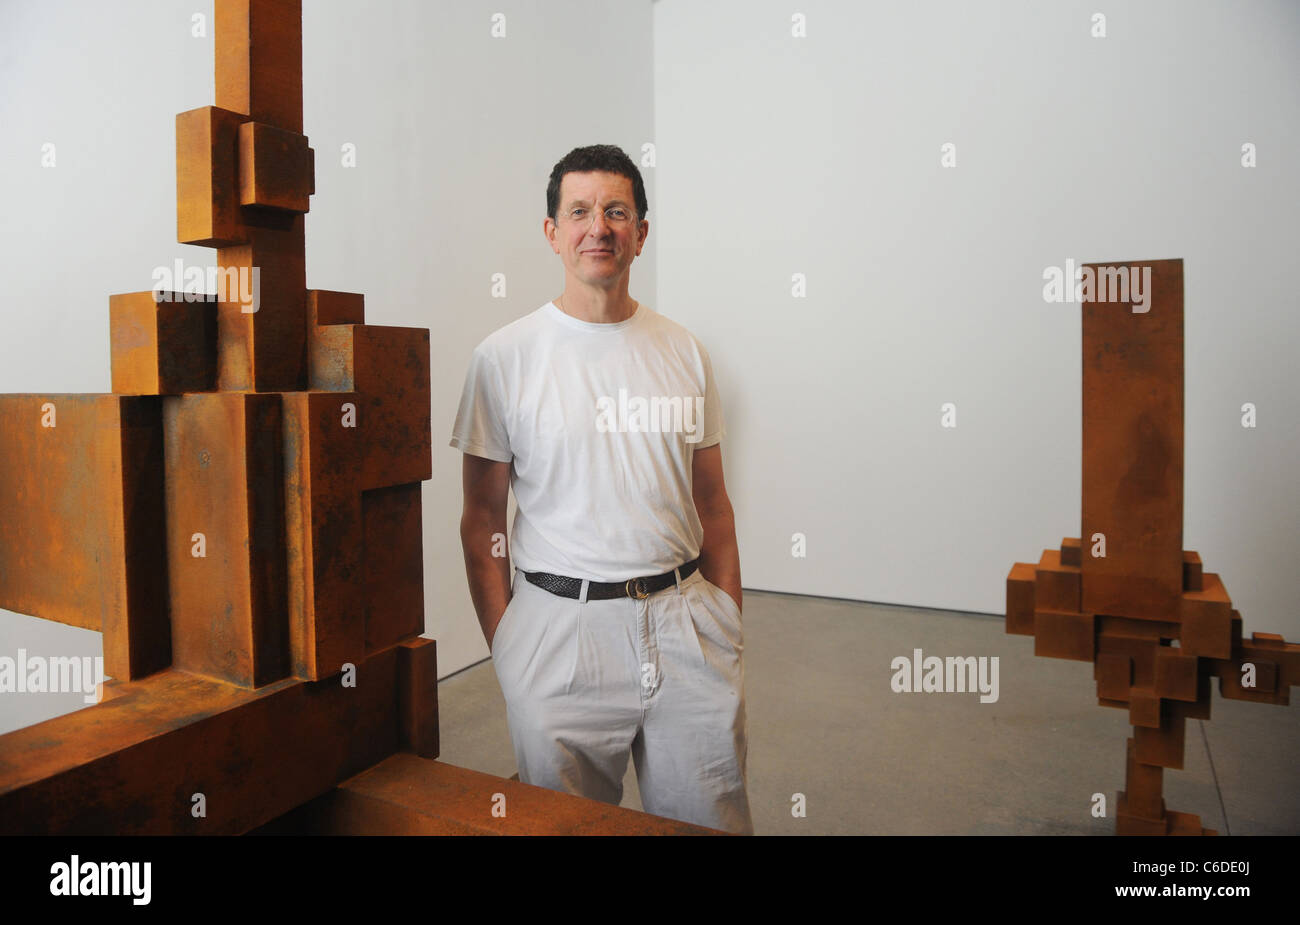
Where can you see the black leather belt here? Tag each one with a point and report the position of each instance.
(638, 588)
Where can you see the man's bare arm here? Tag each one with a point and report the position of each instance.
(486, 489)
(719, 554)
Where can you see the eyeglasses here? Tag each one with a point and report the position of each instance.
(615, 215)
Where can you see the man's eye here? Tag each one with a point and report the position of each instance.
(576, 212)
(617, 213)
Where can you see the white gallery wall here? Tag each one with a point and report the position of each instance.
(821, 155)
(775, 155)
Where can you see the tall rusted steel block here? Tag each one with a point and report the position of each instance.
(225, 536)
(1020, 599)
(263, 341)
(163, 346)
(394, 569)
(1192, 571)
(1133, 448)
(326, 584)
(259, 60)
(207, 178)
(80, 479)
(1206, 619)
(417, 699)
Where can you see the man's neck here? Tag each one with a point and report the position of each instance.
(597, 306)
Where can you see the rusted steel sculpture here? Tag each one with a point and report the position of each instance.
(241, 520)
(1126, 595)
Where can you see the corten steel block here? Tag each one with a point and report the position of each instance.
(1187, 824)
(1144, 707)
(393, 575)
(1020, 599)
(1145, 630)
(1163, 745)
(1057, 585)
(1133, 448)
(1143, 784)
(1140, 652)
(1192, 571)
(389, 368)
(276, 168)
(1265, 676)
(207, 178)
(131, 765)
(409, 795)
(1263, 650)
(81, 537)
(265, 350)
(163, 347)
(1064, 635)
(1200, 708)
(1071, 552)
(1130, 823)
(1114, 675)
(1176, 674)
(1206, 619)
(326, 306)
(259, 60)
(1268, 640)
(417, 696)
(224, 480)
(323, 533)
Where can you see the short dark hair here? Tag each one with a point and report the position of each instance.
(607, 158)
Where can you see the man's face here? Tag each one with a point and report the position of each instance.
(596, 250)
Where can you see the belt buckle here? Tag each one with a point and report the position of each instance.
(639, 592)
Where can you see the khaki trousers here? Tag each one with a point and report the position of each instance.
(587, 683)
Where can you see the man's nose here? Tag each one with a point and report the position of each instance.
(599, 225)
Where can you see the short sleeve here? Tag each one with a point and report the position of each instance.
(715, 427)
(480, 427)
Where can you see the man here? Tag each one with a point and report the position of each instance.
(621, 630)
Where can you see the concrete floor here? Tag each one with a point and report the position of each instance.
(824, 722)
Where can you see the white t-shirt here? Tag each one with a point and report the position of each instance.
(600, 423)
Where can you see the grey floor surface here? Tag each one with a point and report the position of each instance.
(824, 722)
